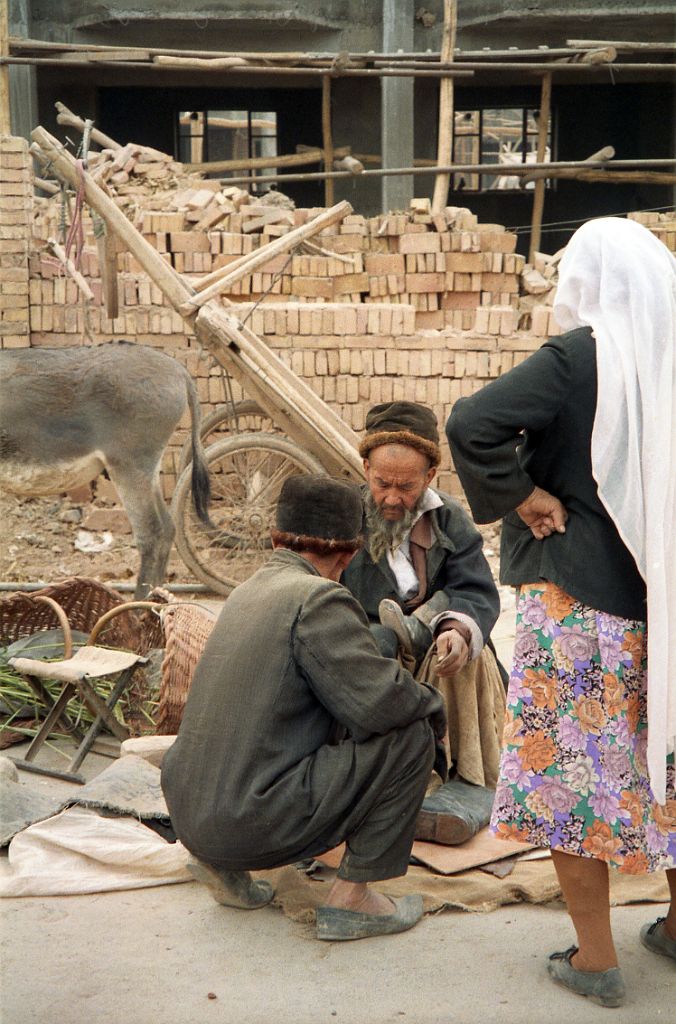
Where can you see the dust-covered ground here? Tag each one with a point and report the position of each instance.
(38, 538)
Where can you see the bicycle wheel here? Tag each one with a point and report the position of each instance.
(245, 417)
(246, 473)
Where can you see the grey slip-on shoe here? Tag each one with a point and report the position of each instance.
(232, 888)
(603, 987)
(413, 635)
(337, 925)
(454, 813)
(654, 937)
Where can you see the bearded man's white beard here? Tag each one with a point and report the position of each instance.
(384, 534)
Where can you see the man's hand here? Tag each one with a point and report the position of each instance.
(543, 513)
(452, 652)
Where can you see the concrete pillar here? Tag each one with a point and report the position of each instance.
(23, 94)
(397, 106)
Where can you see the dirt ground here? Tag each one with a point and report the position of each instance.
(38, 536)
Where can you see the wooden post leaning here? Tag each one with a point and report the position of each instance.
(284, 396)
(446, 116)
(541, 183)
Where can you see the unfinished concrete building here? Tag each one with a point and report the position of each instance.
(217, 114)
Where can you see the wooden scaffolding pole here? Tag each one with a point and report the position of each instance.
(541, 183)
(327, 139)
(445, 139)
(5, 116)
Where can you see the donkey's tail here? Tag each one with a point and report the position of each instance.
(201, 489)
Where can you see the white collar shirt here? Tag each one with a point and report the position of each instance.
(399, 559)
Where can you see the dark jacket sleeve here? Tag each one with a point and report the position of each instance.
(485, 430)
(466, 578)
(338, 656)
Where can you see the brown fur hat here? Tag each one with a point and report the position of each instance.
(317, 513)
(402, 423)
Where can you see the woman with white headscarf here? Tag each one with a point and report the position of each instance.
(576, 449)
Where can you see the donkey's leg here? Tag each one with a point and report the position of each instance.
(153, 528)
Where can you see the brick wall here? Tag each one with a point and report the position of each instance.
(400, 306)
(16, 196)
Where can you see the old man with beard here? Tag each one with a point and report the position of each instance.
(430, 598)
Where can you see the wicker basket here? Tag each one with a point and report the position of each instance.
(84, 601)
(186, 630)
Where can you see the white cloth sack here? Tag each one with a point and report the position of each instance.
(79, 851)
(619, 279)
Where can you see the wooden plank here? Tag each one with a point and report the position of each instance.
(5, 117)
(310, 155)
(220, 280)
(107, 250)
(65, 166)
(309, 420)
(327, 139)
(445, 136)
(540, 184)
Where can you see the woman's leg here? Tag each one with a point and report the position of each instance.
(585, 887)
(670, 923)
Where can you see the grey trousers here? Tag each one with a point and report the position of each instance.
(375, 816)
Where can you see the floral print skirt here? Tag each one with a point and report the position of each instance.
(573, 774)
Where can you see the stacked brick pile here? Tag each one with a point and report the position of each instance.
(16, 196)
(405, 305)
(446, 266)
(663, 225)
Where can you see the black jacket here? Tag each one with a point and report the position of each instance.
(458, 576)
(533, 427)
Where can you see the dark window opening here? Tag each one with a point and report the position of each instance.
(210, 135)
(496, 135)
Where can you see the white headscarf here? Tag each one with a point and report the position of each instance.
(620, 280)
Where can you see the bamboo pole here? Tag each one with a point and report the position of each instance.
(5, 114)
(572, 45)
(311, 155)
(65, 166)
(619, 177)
(445, 138)
(220, 280)
(551, 168)
(600, 157)
(541, 183)
(583, 44)
(419, 69)
(327, 139)
(252, 69)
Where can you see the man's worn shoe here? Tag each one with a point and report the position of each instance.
(413, 635)
(654, 937)
(232, 888)
(454, 813)
(603, 987)
(337, 925)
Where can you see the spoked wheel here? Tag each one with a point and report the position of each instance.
(241, 418)
(246, 473)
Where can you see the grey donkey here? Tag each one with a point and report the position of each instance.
(66, 414)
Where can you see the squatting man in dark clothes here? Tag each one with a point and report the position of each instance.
(429, 595)
(298, 735)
